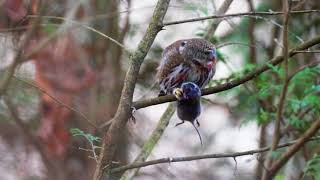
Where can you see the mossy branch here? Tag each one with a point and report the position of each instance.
(111, 138)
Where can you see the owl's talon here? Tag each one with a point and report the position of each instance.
(178, 93)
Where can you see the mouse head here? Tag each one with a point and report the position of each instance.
(188, 90)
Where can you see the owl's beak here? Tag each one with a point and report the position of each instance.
(213, 58)
(178, 93)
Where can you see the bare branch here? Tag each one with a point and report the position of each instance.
(207, 156)
(213, 26)
(233, 83)
(237, 15)
(293, 149)
(86, 27)
(56, 100)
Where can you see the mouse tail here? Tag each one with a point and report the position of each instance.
(197, 132)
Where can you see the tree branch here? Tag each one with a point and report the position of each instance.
(293, 149)
(56, 100)
(233, 83)
(213, 26)
(18, 56)
(237, 15)
(207, 156)
(110, 140)
(280, 109)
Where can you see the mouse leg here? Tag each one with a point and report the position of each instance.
(198, 124)
(179, 123)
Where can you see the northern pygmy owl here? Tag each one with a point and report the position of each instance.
(188, 60)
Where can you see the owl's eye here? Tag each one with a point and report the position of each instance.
(208, 51)
(182, 46)
(183, 43)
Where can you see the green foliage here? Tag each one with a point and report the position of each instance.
(50, 28)
(91, 138)
(313, 167)
(276, 69)
(298, 123)
(264, 116)
(280, 177)
(277, 153)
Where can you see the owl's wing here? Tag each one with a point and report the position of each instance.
(170, 71)
(170, 59)
(174, 79)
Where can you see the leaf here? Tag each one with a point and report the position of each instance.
(275, 69)
(313, 89)
(311, 100)
(89, 137)
(313, 167)
(263, 116)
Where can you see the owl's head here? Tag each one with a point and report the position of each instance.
(199, 51)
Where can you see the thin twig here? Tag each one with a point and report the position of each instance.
(237, 15)
(311, 51)
(199, 157)
(56, 100)
(293, 149)
(86, 27)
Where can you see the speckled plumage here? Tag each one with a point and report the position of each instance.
(187, 60)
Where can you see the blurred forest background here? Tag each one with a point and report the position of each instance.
(62, 68)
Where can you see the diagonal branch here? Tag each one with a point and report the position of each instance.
(233, 83)
(213, 26)
(293, 149)
(56, 100)
(111, 138)
(207, 156)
